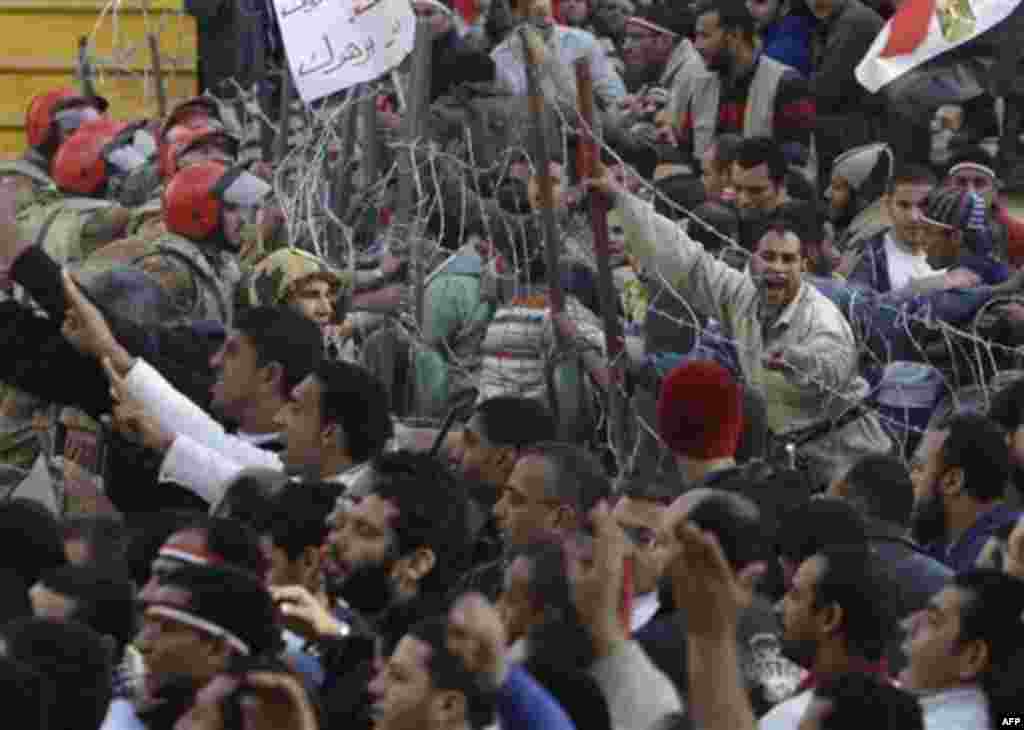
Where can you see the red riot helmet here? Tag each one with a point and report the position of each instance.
(195, 198)
(55, 111)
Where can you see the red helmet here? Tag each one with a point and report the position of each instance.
(41, 118)
(80, 165)
(194, 199)
(181, 140)
(199, 111)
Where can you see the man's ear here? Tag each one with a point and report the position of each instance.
(273, 376)
(450, 709)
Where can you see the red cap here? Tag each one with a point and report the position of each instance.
(700, 411)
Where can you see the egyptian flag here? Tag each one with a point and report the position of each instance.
(923, 29)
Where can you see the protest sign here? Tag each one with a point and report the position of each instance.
(334, 45)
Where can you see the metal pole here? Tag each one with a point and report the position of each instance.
(417, 104)
(599, 206)
(542, 150)
(284, 117)
(85, 68)
(158, 76)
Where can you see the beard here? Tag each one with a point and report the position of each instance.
(368, 589)
(928, 522)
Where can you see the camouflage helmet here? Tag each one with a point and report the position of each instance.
(277, 276)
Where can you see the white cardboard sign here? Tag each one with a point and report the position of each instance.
(334, 44)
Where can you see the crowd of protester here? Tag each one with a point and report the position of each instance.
(252, 481)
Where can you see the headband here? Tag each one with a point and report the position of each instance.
(973, 167)
(648, 25)
(190, 619)
(189, 556)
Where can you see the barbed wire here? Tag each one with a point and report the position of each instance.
(304, 191)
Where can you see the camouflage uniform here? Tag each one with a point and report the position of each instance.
(275, 278)
(31, 175)
(69, 229)
(202, 283)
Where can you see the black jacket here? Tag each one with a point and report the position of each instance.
(41, 362)
(232, 36)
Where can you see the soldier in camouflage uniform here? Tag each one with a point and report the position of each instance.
(298, 279)
(68, 218)
(188, 146)
(52, 117)
(196, 258)
(90, 166)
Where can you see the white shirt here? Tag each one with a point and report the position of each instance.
(904, 265)
(787, 715)
(956, 709)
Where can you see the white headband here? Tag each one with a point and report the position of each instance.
(435, 5)
(973, 167)
(184, 556)
(189, 619)
(648, 25)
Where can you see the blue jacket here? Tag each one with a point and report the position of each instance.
(963, 554)
(788, 41)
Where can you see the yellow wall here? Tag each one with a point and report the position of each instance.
(40, 52)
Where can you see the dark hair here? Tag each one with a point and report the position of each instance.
(433, 512)
(721, 220)
(107, 538)
(574, 475)
(250, 496)
(879, 486)
(755, 151)
(130, 294)
(808, 528)
(977, 445)
(234, 542)
(104, 601)
(1008, 406)
(25, 694)
(727, 147)
(31, 539)
(861, 700)
(733, 15)
(298, 518)
(736, 522)
(852, 579)
(910, 174)
(448, 672)
(15, 603)
(73, 659)
(517, 422)
(975, 154)
(357, 401)
(677, 192)
(147, 534)
(659, 488)
(282, 335)
(217, 593)
(993, 614)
